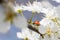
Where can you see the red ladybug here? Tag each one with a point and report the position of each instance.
(36, 23)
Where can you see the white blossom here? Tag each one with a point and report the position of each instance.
(9, 16)
(58, 1)
(20, 22)
(47, 24)
(27, 35)
(17, 8)
(34, 7)
(4, 26)
(46, 4)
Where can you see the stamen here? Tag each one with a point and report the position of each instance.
(19, 11)
(26, 38)
(10, 16)
(49, 31)
(54, 19)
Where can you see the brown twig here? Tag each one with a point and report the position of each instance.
(34, 29)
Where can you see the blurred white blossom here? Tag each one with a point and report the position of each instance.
(9, 17)
(34, 7)
(58, 1)
(20, 22)
(4, 26)
(46, 4)
(27, 35)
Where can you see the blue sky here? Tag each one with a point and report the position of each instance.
(11, 35)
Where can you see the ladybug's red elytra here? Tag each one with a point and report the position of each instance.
(36, 23)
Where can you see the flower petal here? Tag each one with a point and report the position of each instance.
(45, 3)
(58, 1)
(4, 25)
(45, 21)
(20, 22)
(42, 29)
(19, 35)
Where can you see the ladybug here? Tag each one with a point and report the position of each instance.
(36, 23)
